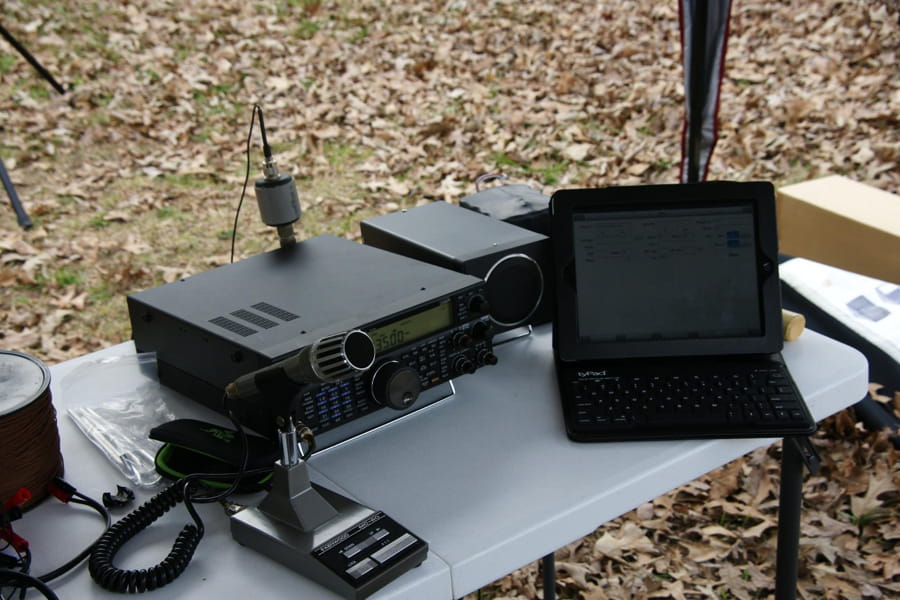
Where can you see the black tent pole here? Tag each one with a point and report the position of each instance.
(32, 60)
(698, 89)
(21, 215)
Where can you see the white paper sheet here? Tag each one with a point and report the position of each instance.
(870, 307)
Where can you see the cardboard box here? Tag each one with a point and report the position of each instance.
(843, 223)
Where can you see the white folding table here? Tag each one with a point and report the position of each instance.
(487, 477)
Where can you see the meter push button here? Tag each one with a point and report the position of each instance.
(394, 548)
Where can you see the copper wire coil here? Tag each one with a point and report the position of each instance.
(29, 438)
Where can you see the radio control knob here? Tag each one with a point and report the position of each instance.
(481, 330)
(479, 305)
(486, 357)
(463, 365)
(462, 339)
(396, 385)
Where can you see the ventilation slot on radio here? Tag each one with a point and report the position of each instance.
(232, 326)
(254, 319)
(274, 311)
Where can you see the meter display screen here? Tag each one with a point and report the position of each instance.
(412, 327)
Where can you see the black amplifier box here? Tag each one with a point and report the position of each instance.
(515, 203)
(514, 262)
(209, 329)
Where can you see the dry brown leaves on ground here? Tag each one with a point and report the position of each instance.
(134, 175)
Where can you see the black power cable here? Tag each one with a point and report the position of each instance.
(21, 578)
(23, 581)
(78, 498)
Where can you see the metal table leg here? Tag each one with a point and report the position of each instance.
(796, 452)
(548, 569)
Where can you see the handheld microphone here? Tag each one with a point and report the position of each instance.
(329, 359)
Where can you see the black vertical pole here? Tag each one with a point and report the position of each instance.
(32, 60)
(698, 89)
(795, 453)
(548, 570)
(21, 215)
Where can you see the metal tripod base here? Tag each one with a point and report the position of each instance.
(341, 544)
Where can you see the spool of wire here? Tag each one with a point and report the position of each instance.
(29, 438)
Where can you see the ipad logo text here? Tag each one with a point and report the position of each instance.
(592, 373)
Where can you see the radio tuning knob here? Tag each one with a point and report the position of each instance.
(396, 385)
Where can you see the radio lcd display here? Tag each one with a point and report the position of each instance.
(412, 327)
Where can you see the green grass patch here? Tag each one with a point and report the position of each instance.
(340, 154)
(99, 221)
(102, 293)
(6, 62)
(664, 164)
(361, 33)
(168, 212)
(66, 276)
(552, 174)
(38, 92)
(306, 29)
(503, 160)
(151, 76)
(185, 182)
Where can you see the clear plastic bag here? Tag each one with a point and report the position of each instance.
(120, 402)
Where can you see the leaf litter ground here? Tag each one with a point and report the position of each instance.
(134, 175)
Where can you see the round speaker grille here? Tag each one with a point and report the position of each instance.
(515, 287)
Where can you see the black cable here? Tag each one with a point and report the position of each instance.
(242, 469)
(108, 576)
(23, 581)
(22, 560)
(19, 563)
(26, 561)
(237, 213)
(101, 566)
(66, 493)
(24, 567)
(267, 151)
(79, 498)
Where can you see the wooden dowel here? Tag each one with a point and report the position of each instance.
(793, 324)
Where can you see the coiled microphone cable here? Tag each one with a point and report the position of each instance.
(114, 579)
(186, 490)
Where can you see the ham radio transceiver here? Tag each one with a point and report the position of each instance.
(429, 324)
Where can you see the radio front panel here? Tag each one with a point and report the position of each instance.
(451, 351)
